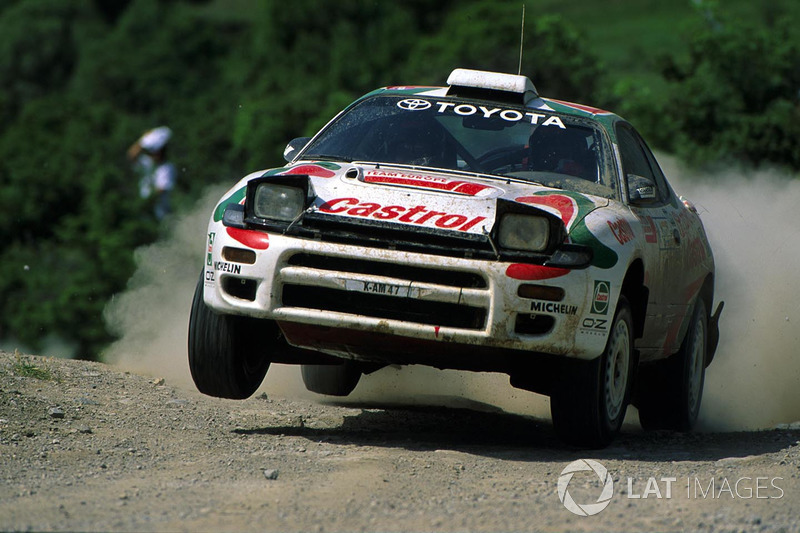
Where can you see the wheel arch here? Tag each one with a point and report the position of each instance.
(707, 295)
(707, 291)
(637, 293)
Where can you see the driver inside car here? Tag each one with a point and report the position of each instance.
(420, 142)
(563, 151)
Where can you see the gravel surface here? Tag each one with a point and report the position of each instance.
(86, 446)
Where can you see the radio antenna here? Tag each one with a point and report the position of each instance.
(521, 39)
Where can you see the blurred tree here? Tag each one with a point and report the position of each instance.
(166, 63)
(68, 223)
(735, 96)
(485, 35)
(322, 65)
(111, 9)
(38, 51)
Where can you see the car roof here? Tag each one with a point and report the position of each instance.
(493, 87)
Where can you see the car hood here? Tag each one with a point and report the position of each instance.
(423, 197)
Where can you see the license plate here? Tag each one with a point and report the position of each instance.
(383, 289)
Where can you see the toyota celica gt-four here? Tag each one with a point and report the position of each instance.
(478, 227)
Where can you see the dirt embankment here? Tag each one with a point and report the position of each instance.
(86, 446)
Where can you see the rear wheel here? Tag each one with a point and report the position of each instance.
(228, 355)
(332, 380)
(670, 391)
(589, 405)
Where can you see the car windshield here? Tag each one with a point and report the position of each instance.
(471, 136)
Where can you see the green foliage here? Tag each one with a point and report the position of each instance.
(735, 95)
(69, 222)
(24, 368)
(38, 51)
(303, 63)
(236, 80)
(485, 35)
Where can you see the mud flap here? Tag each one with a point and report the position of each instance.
(713, 333)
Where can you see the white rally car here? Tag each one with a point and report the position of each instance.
(476, 226)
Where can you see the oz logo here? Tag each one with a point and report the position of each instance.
(413, 104)
(587, 509)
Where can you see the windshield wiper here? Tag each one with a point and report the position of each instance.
(321, 157)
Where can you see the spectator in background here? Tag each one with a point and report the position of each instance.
(157, 175)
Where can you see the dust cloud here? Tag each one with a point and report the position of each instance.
(752, 220)
(152, 316)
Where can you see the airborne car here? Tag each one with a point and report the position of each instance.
(478, 227)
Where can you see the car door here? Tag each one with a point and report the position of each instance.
(663, 244)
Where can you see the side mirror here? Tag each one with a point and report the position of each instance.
(641, 190)
(294, 147)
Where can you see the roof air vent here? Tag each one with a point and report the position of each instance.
(483, 85)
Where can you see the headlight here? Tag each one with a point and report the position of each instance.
(523, 232)
(278, 202)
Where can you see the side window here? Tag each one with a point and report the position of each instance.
(637, 159)
(661, 181)
(633, 159)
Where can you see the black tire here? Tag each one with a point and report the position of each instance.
(670, 391)
(228, 355)
(589, 404)
(331, 380)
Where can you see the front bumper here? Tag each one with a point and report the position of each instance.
(310, 287)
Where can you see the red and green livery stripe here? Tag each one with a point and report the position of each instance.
(236, 197)
(322, 169)
(319, 169)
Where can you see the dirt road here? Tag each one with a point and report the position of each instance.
(86, 446)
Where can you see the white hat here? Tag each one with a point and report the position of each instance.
(155, 139)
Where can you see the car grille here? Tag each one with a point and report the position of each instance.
(450, 278)
(307, 285)
(392, 236)
(386, 307)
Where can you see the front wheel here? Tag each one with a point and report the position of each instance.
(228, 355)
(589, 404)
(670, 391)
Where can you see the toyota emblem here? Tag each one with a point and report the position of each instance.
(413, 104)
